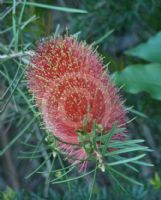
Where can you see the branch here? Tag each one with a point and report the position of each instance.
(16, 55)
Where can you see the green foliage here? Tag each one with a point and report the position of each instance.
(122, 16)
(79, 192)
(156, 181)
(143, 77)
(9, 194)
(149, 50)
(47, 174)
(40, 5)
(104, 160)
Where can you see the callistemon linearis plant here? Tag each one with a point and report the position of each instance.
(79, 104)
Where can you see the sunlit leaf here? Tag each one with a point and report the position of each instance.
(149, 50)
(139, 78)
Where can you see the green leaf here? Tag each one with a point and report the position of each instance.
(106, 35)
(2, 151)
(75, 178)
(156, 181)
(46, 6)
(119, 144)
(149, 50)
(126, 160)
(123, 176)
(127, 164)
(8, 194)
(107, 140)
(136, 112)
(127, 150)
(143, 163)
(141, 77)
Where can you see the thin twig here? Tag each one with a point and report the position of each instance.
(16, 55)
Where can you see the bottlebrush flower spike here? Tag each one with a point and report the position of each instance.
(69, 83)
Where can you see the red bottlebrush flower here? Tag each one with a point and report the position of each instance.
(69, 83)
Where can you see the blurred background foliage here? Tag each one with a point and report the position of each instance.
(128, 36)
